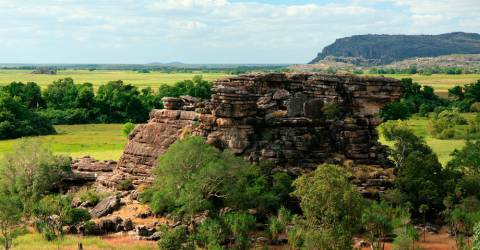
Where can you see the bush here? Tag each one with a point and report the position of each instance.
(175, 239)
(476, 237)
(90, 228)
(332, 110)
(128, 128)
(53, 212)
(193, 176)
(32, 171)
(395, 111)
(475, 107)
(331, 206)
(240, 224)
(67, 116)
(125, 185)
(447, 124)
(212, 232)
(90, 195)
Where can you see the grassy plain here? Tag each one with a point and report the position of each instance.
(97, 77)
(443, 148)
(440, 82)
(101, 141)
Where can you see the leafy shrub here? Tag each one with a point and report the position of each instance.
(211, 233)
(125, 185)
(476, 237)
(295, 237)
(32, 171)
(446, 124)
(332, 110)
(193, 176)
(128, 128)
(379, 219)
(395, 111)
(11, 227)
(53, 212)
(90, 195)
(175, 239)
(240, 224)
(475, 107)
(331, 206)
(275, 228)
(67, 116)
(91, 228)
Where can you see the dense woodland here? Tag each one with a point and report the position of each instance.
(26, 109)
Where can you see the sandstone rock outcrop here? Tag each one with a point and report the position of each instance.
(294, 120)
(106, 206)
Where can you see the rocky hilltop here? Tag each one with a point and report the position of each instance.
(384, 49)
(294, 120)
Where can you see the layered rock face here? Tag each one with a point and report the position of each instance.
(296, 121)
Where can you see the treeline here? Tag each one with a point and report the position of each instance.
(26, 109)
(421, 100)
(425, 71)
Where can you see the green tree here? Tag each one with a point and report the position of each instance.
(395, 111)
(119, 102)
(61, 94)
(379, 220)
(32, 171)
(30, 94)
(331, 206)
(16, 120)
(420, 177)
(11, 225)
(405, 141)
(193, 176)
(466, 159)
(53, 212)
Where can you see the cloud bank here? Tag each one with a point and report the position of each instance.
(210, 31)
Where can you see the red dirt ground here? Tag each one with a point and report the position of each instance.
(440, 241)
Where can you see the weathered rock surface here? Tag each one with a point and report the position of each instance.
(106, 206)
(278, 117)
(89, 164)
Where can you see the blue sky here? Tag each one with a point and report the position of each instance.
(210, 31)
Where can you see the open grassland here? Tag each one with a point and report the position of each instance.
(35, 241)
(101, 141)
(443, 148)
(97, 77)
(440, 82)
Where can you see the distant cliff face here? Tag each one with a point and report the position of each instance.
(389, 48)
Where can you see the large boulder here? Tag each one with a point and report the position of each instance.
(106, 206)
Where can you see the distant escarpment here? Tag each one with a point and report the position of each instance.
(384, 49)
(296, 121)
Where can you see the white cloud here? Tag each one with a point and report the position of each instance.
(212, 30)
